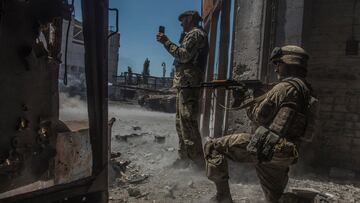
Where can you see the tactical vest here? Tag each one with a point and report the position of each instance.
(199, 60)
(298, 123)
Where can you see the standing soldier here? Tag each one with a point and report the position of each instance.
(190, 60)
(280, 117)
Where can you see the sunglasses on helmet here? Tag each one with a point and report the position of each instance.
(276, 53)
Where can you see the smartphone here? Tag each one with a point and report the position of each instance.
(162, 29)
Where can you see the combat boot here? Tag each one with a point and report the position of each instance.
(223, 194)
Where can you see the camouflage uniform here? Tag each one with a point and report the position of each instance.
(273, 174)
(189, 64)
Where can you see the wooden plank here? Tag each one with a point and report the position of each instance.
(223, 67)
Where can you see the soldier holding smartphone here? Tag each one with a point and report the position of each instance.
(190, 61)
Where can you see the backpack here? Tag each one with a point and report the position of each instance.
(311, 105)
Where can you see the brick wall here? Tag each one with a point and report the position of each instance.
(335, 77)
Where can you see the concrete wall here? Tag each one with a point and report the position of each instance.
(289, 27)
(289, 22)
(248, 36)
(75, 55)
(76, 60)
(113, 53)
(322, 27)
(247, 53)
(249, 33)
(335, 77)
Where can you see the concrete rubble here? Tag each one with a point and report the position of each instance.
(150, 170)
(144, 164)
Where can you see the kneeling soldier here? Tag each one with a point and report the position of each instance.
(280, 117)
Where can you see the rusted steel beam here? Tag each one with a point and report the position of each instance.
(209, 9)
(51, 194)
(209, 75)
(223, 67)
(207, 6)
(228, 95)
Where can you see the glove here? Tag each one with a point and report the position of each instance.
(208, 148)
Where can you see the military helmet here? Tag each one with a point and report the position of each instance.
(290, 54)
(196, 16)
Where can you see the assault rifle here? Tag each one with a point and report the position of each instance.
(229, 84)
(239, 89)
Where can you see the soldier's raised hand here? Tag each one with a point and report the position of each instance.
(161, 37)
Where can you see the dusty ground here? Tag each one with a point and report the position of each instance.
(149, 177)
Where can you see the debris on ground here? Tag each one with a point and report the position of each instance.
(119, 166)
(115, 155)
(169, 191)
(191, 184)
(147, 155)
(342, 173)
(124, 138)
(136, 179)
(309, 193)
(159, 138)
(157, 179)
(133, 191)
(142, 195)
(121, 138)
(136, 128)
(329, 191)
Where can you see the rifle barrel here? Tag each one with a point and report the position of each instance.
(248, 84)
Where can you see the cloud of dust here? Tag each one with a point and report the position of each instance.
(134, 111)
(72, 108)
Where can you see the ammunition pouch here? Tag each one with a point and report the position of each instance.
(288, 123)
(262, 144)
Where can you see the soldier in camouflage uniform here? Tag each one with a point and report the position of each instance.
(190, 60)
(280, 119)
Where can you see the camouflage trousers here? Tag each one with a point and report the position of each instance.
(273, 175)
(190, 145)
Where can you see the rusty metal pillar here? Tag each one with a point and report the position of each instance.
(95, 22)
(232, 50)
(211, 15)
